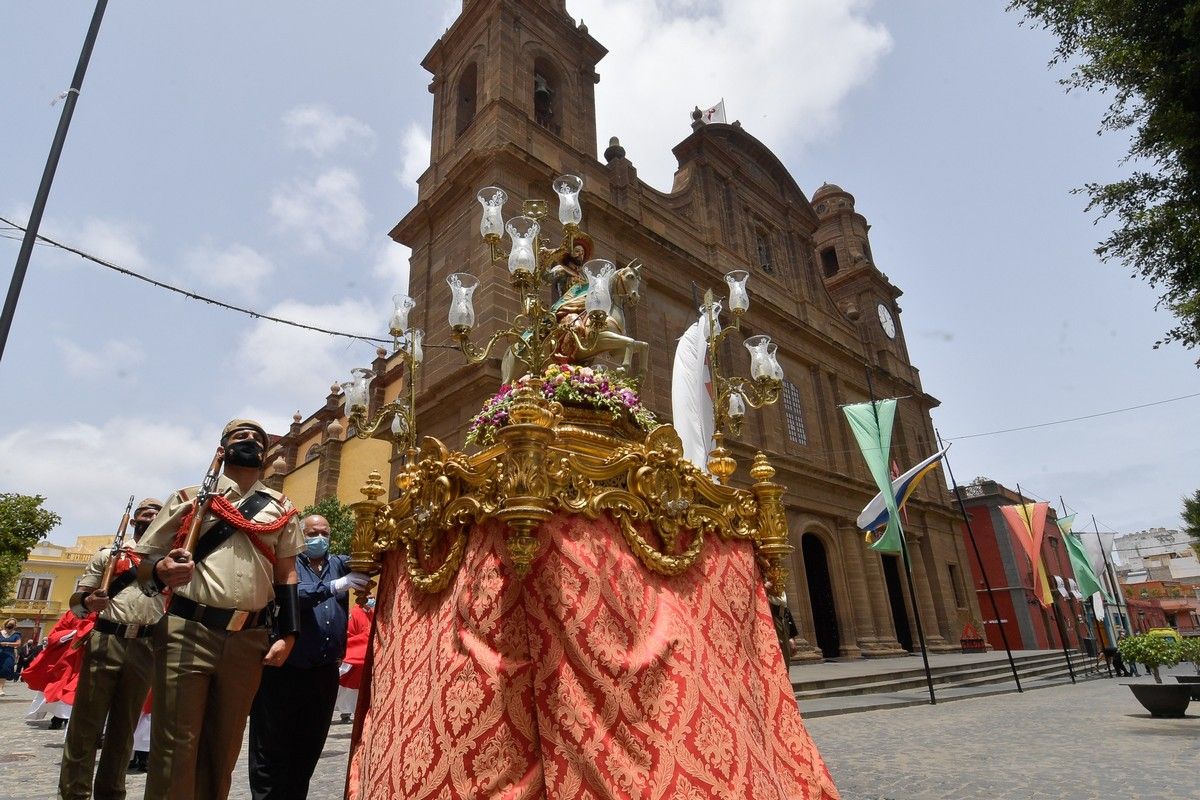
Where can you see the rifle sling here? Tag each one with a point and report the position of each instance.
(220, 533)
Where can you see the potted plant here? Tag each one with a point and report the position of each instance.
(1161, 700)
(1189, 650)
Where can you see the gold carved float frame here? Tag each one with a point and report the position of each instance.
(542, 463)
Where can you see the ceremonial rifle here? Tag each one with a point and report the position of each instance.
(200, 505)
(115, 550)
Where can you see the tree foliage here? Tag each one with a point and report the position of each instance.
(340, 519)
(23, 523)
(1146, 55)
(1191, 519)
(1153, 651)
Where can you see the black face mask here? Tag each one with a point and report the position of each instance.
(246, 453)
(139, 527)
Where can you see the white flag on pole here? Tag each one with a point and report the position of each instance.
(715, 114)
(1078, 595)
(1098, 605)
(1062, 587)
(691, 402)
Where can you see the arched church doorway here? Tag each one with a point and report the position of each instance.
(820, 595)
(891, 576)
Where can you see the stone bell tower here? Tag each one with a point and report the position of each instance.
(513, 106)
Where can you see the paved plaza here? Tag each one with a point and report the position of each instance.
(1064, 742)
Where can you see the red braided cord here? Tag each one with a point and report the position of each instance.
(229, 513)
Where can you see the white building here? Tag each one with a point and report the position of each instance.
(1159, 554)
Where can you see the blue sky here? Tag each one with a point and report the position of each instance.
(260, 153)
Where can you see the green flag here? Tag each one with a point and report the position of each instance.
(1088, 583)
(872, 426)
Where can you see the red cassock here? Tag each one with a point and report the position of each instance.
(55, 670)
(358, 633)
(591, 678)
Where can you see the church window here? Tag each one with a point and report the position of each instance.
(794, 413)
(468, 86)
(547, 97)
(763, 243)
(829, 262)
(960, 600)
(312, 453)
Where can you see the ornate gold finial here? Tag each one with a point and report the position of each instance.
(373, 488)
(720, 461)
(761, 470)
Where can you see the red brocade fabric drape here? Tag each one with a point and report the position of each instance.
(596, 679)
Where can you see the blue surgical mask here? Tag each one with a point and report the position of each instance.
(315, 546)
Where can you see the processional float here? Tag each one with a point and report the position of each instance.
(574, 610)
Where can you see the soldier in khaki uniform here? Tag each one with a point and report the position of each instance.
(116, 673)
(211, 646)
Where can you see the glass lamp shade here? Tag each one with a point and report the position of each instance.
(399, 323)
(462, 310)
(398, 425)
(357, 390)
(599, 274)
(523, 231)
(412, 345)
(737, 405)
(773, 362)
(739, 300)
(760, 358)
(492, 199)
(567, 187)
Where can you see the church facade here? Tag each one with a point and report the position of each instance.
(513, 84)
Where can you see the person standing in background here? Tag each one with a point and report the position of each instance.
(294, 706)
(10, 642)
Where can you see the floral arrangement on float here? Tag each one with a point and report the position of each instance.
(593, 388)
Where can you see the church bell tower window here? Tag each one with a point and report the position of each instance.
(466, 102)
(829, 262)
(547, 99)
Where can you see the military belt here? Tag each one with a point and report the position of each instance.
(217, 619)
(124, 631)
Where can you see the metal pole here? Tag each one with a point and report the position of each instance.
(1112, 580)
(912, 592)
(1037, 560)
(43, 192)
(987, 584)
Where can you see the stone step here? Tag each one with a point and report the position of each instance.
(990, 671)
(834, 705)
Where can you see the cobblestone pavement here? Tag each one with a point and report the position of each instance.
(30, 754)
(1083, 742)
(1062, 743)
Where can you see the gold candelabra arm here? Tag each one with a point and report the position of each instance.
(362, 541)
(367, 428)
(759, 392)
(474, 354)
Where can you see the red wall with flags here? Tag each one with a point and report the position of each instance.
(1026, 623)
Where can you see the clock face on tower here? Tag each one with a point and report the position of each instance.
(886, 322)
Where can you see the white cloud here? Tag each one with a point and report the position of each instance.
(415, 148)
(115, 357)
(391, 266)
(321, 131)
(236, 267)
(296, 367)
(87, 471)
(326, 211)
(783, 67)
(111, 240)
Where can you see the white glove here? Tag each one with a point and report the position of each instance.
(355, 580)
